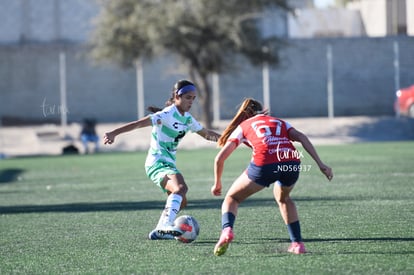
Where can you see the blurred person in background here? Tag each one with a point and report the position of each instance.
(88, 135)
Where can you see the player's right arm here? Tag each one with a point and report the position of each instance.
(221, 157)
(109, 137)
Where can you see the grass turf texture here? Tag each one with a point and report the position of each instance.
(91, 214)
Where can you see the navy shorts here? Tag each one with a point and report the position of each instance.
(284, 173)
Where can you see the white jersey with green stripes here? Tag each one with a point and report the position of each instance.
(168, 128)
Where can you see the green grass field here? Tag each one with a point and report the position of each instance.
(91, 214)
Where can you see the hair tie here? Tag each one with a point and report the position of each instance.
(186, 89)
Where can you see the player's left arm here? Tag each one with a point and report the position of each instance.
(298, 136)
(209, 134)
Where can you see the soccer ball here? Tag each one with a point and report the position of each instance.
(190, 227)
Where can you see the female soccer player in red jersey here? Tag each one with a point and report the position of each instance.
(274, 159)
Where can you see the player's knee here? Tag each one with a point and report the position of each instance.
(180, 189)
(283, 200)
(176, 188)
(233, 200)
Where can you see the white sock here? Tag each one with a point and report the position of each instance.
(172, 207)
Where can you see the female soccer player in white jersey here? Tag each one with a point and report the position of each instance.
(169, 125)
(274, 160)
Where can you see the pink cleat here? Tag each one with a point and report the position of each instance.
(297, 248)
(225, 239)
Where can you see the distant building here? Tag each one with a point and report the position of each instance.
(43, 40)
(301, 4)
(333, 22)
(371, 18)
(45, 21)
(49, 21)
(385, 17)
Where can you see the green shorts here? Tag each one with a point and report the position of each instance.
(159, 170)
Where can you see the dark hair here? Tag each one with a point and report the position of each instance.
(249, 108)
(178, 85)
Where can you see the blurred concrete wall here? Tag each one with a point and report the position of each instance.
(46, 20)
(34, 32)
(363, 80)
(363, 77)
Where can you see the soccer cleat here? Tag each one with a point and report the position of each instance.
(170, 229)
(223, 243)
(297, 248)
(154, 235)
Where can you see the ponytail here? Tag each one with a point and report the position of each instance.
(248, 109)
(154, 109)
